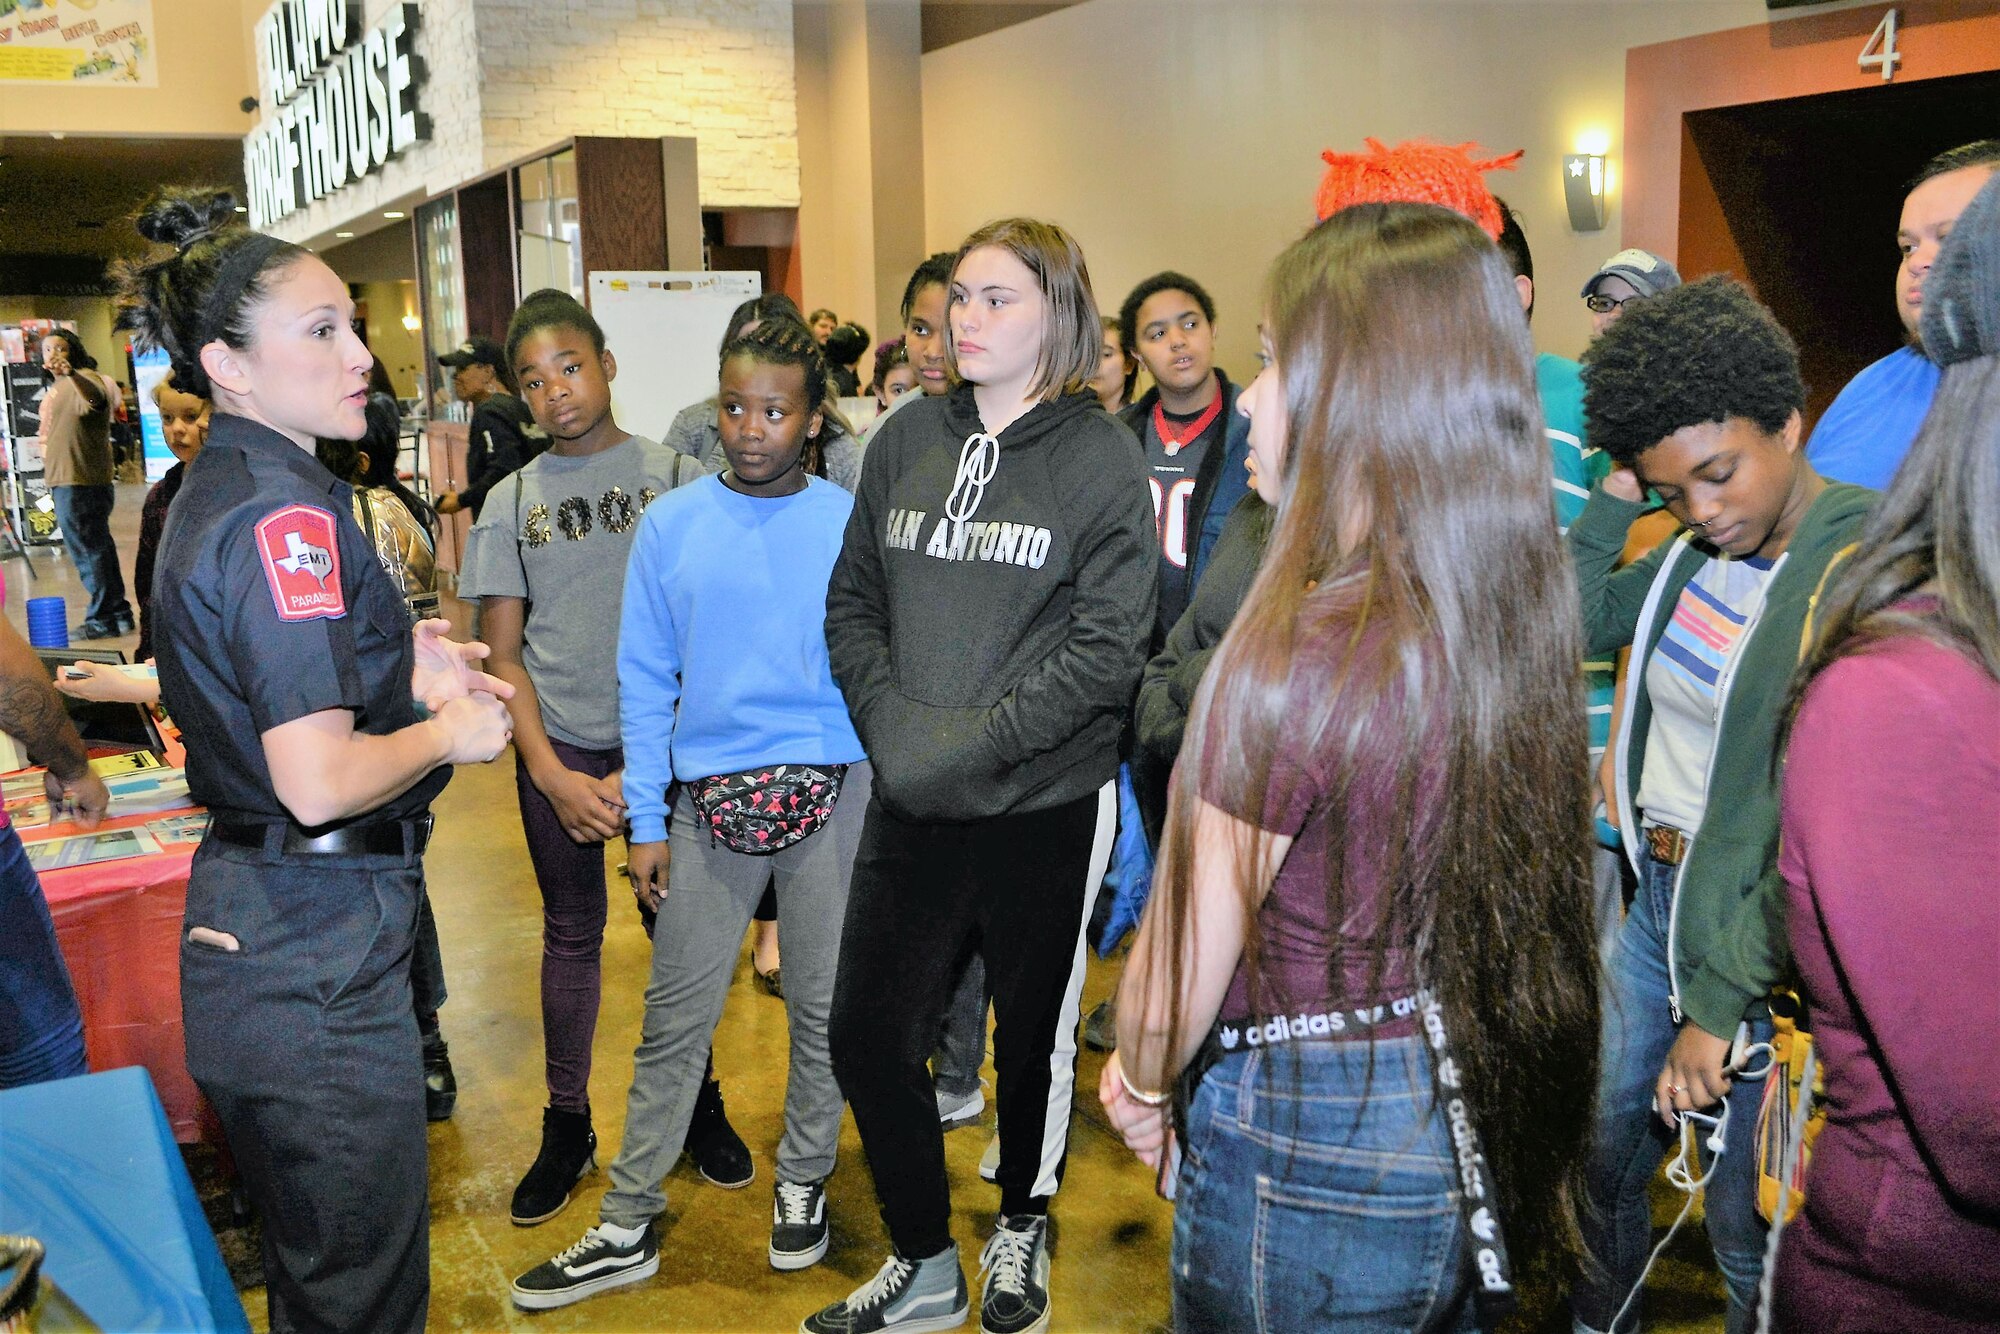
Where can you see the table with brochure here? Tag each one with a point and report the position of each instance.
(117, 894)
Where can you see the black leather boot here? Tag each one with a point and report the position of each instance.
(440, 1085)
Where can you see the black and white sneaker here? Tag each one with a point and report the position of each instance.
(1015, 1265)
(798, 1224)
(598, 1263)
(908, 1296)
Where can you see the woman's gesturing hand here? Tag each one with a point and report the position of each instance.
(444, 669)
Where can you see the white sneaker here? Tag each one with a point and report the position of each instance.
(989, 1162)
(960, 1109)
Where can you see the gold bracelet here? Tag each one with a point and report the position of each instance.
(1139, 1095)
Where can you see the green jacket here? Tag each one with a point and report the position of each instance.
(1727, 944)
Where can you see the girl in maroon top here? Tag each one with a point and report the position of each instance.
(1382, 789)
(1891, 835)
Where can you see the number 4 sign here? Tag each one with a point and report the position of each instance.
(1879, 52)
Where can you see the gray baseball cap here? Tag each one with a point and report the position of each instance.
(1647, 272)
(1962, 291)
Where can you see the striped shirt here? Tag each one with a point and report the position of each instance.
(1687, 679)
(1574, 468)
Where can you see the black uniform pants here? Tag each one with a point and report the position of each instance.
(1019, 889)
(305, 1041)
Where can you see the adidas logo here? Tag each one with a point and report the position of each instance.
(1287, 1028)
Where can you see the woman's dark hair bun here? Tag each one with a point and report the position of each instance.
(180, 217)
(206, 287)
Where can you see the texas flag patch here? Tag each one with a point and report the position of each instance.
(301, 559)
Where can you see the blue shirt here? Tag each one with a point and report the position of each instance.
(1869, 427)
(722, 662)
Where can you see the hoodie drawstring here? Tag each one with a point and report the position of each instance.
(978, 460)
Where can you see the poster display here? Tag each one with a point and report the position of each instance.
(148, 369)
(97, 43)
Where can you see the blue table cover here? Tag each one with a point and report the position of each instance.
(89, 1166)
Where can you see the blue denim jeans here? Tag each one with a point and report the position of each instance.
(41, 1029)
(1630, 1140)
(84, 512)
(1315, 1194)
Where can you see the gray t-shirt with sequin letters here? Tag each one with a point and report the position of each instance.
(560, 541)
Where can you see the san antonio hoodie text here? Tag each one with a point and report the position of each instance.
(989, 615)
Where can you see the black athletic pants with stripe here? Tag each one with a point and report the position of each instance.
(1018, 888)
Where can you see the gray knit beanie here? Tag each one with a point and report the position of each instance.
(1962, 291)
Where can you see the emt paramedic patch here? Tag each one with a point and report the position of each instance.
(301, 559)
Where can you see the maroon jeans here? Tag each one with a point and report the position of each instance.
(571, 877)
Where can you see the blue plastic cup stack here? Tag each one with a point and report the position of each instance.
(48, 622)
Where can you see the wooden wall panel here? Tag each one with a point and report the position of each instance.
(1765, 62)
(488, 253)
(621, 204)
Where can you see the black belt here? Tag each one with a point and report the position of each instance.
(383, 838)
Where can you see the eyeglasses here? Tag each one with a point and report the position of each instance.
(1600, 304)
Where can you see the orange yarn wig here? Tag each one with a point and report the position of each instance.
(1415, 171)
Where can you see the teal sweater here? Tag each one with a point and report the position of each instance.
(1728, 946)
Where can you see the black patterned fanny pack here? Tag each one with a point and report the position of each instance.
(762, 811)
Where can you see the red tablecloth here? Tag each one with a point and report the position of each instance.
(119, 924)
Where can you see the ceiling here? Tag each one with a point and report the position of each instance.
(946, 22)
(76, 196)
(66, 204)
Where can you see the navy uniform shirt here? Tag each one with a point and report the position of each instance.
(272, 606)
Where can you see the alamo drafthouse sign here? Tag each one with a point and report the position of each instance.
(339, 102)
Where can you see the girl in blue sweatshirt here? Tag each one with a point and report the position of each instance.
(724, 687)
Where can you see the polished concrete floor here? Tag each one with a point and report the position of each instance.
(1111, 1232)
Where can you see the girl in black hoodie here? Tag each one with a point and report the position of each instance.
(987, 623)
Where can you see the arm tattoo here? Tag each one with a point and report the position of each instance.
(32, 711)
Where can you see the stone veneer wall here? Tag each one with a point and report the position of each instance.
(506, 77)
(720, 70)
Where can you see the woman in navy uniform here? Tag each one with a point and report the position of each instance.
(319, 728)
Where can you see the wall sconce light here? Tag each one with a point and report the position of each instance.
(1583, 189)
(411, 324)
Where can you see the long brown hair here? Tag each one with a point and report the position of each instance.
(1415, 431)
(1938, 524)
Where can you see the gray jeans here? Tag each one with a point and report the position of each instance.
(961, 1044)
(711, 893)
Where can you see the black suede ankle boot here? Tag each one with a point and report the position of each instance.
(569, 1150)
(718, 1151)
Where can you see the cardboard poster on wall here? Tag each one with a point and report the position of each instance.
(82, 43)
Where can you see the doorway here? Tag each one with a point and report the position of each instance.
(1800, 197)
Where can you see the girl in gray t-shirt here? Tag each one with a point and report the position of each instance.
(547, 562)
